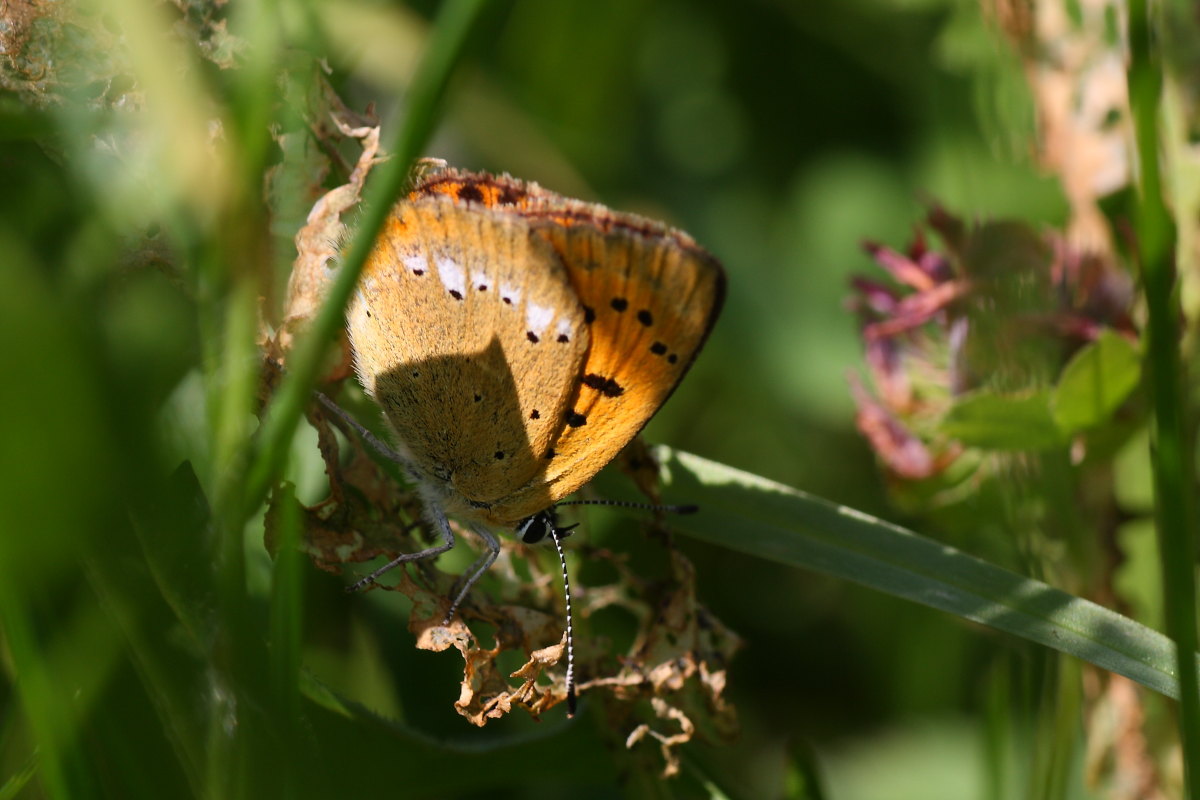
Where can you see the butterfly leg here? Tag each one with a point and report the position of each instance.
(373, 441)
(477, 569)
(438, 517)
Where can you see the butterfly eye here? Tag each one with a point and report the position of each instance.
(534, 529)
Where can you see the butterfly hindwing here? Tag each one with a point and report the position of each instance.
(467, 332)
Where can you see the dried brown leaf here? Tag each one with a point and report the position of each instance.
(317, 245)
(667, 741)
(678, 663)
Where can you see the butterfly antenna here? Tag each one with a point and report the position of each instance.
(562, 560)
(684, 509)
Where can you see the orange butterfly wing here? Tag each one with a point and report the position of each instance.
(649, 296)
(467, 333)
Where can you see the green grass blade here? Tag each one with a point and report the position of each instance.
(446, 47)
(48, 711)
(753, 515)
(18, 780)
(286, 635)
(1172, 448)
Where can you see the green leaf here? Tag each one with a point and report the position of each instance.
(1003, 422)
(753, 515)
(1095, 383)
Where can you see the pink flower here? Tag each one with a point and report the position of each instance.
(1001, 307)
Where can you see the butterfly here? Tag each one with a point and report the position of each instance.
(516, 340)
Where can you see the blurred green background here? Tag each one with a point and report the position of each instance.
(779, 134)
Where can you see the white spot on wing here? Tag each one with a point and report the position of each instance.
(453, 276)
(564, 328)
(510, 293)
(538, 317)
(415, 263)
(479, 278)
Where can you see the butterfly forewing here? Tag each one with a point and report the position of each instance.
(467, 332)
(650, 296)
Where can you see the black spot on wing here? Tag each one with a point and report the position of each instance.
(509, 196)
(606, 386)
(470, 192)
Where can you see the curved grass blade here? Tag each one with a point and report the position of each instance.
(766, 519)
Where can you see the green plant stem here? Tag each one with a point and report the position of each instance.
(286, 636)
(46, 709)
(446, 47)
(1174, 509)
